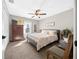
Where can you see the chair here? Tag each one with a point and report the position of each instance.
(57, 53)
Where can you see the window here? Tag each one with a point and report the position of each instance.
(27, 28)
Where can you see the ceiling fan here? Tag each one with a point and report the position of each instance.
(37, 13)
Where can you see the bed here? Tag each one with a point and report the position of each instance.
(39, 40)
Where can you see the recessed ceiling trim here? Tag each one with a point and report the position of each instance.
(51, 7)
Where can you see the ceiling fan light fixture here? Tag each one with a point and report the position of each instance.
(39, 17)
(37, 13)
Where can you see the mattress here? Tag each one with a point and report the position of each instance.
(40, 40)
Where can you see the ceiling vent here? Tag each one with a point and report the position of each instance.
(11, 1)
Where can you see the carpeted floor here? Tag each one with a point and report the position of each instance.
(23, 50)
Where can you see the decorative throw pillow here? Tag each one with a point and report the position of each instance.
(52, 33)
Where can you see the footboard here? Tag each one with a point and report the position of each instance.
(31, 41)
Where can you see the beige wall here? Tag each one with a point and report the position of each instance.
(62, 20)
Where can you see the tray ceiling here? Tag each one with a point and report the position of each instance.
(51, 7)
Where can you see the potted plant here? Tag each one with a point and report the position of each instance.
(66, 32)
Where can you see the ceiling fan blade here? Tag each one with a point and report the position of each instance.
(33, 16)
(38, 10)
(42, 14)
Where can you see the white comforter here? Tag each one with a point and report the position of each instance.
(42, 39)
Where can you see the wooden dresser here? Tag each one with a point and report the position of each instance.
(17, 31)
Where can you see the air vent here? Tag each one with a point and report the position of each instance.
(11, 1)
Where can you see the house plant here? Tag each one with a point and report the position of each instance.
(66, 32)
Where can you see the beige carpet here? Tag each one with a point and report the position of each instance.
(23, 50)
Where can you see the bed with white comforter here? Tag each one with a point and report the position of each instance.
(40, 40)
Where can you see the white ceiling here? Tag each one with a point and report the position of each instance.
(51, 7)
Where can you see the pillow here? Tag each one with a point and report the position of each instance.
(44, 31)
(52, 33)
(49, 32)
